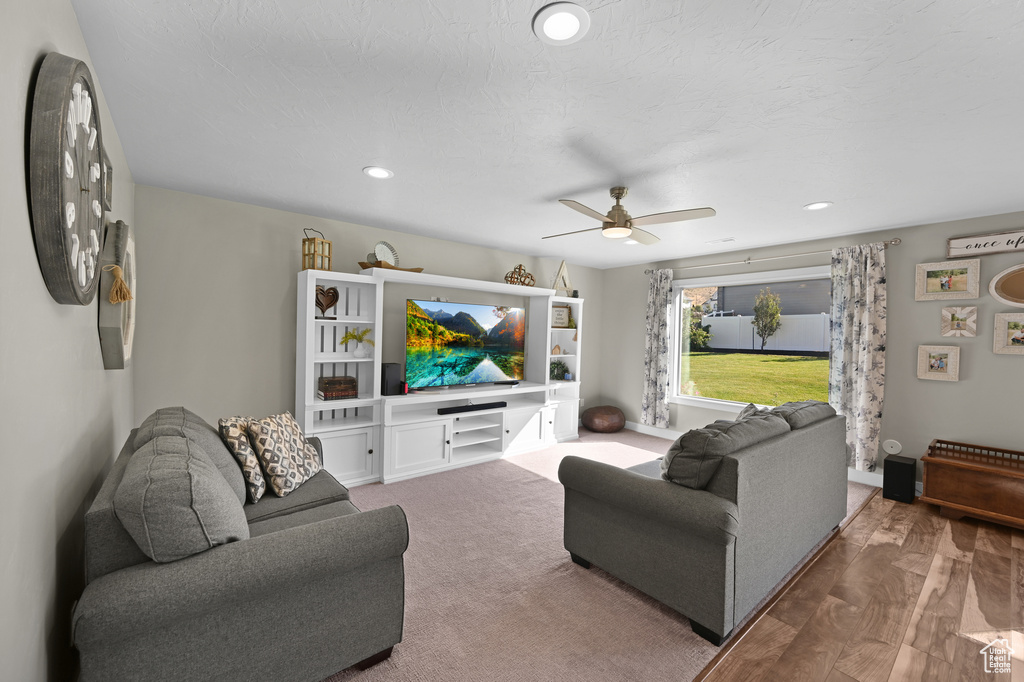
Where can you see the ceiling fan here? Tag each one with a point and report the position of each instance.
(618, 224)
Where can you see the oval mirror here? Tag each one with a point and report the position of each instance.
(1008, 286)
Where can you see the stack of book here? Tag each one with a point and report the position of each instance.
(336, 388)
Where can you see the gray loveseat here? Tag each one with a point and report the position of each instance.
(316, 587)
(711, 552)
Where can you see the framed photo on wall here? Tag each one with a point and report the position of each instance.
(960, 321)
(1009, 335)
(938, 363)
(947, 280)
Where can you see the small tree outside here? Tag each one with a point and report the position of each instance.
(767, 314)
(700, 334)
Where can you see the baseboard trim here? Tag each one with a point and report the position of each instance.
(653, 431)
(873, 478)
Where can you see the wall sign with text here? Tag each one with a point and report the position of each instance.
(982, 244)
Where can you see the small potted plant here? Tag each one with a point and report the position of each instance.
(362, 349)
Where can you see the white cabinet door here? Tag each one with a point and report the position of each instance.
(525, 429)
(352, 456)
(418, 447)
(566, 420)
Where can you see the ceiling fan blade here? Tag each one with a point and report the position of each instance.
(674, 216)
(565, 234)
(577, 206)
(643, 236)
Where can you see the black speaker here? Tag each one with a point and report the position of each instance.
(898, 477)
(390, 378)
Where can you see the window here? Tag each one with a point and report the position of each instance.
(723, 356)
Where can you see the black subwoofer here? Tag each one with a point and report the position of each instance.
(390, 378)
(898, 477)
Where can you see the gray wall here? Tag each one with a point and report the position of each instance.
(217, 333)
(65, 417)
(983, 407)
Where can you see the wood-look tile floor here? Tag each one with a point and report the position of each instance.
(901, 594)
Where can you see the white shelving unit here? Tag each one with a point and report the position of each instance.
(349, 429)
(564, 394)
(371, 438)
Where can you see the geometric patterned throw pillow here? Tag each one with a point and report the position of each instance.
(287, 459)
(235, 432)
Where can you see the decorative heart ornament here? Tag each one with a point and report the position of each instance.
(326, 298)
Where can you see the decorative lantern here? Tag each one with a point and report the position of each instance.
(316, 252)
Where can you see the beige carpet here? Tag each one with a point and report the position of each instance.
(492, 595)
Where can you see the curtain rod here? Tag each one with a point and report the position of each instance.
(887, 243)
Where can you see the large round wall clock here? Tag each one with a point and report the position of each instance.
(66, 179)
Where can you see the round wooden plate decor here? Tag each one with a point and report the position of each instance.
(117, 320)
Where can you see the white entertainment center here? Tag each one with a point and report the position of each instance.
(372, 437)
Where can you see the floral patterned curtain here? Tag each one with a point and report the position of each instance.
(857, 367)
(654, 406)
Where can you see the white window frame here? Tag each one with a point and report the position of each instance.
(765, 277)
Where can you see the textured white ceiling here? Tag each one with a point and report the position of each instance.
(901, 113)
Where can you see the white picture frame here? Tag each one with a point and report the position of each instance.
(938, 363)
(960, 321)
(1008, 338)
(947, 280)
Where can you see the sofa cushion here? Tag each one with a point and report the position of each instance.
(174, 503)
(235, 432)
(695, 456)
(287, 459)
(321, 489)
(177, 421)
(650, 469)
(804, 413)
(302, 518)
(749, 410)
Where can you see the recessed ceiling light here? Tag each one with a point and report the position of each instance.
(561, 23)
(817, 205)
(378, 172)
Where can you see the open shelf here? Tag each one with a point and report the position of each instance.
(338, 358)
(464, 424)
(352, 321)
(343, 422)
(475, 451)
(462, 440)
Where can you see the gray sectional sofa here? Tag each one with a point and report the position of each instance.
(712, 527)
(307, 587)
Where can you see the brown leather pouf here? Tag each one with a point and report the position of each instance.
(604, 419)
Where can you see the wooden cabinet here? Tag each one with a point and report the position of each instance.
(973, 480)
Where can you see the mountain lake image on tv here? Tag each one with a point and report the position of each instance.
(449, 344)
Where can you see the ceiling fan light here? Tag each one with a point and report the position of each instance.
(616, 231)
(561, 23)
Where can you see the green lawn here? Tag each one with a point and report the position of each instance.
(752, 378)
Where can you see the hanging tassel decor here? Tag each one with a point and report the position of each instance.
(119, 291)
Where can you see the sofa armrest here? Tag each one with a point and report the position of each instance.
(693, 511)
(148, 595)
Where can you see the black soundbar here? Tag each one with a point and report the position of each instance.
(471, 408)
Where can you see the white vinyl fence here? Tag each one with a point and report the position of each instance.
(798, 332)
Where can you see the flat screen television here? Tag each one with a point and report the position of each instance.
(454, 344)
